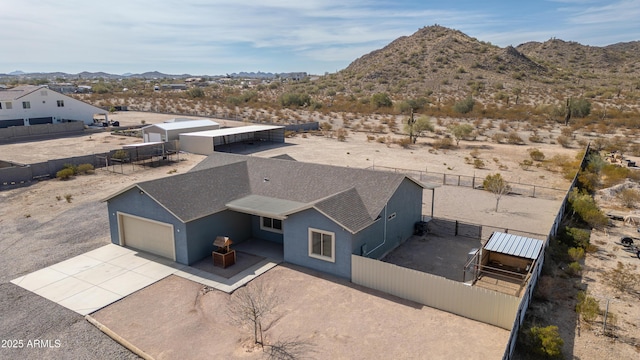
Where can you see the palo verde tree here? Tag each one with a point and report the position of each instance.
(496, 185)
(461, 131)
(416, 127)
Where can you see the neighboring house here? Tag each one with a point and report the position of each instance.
(170, 131)
(321, 214)
(34, 105)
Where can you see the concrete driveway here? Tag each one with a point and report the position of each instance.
(95, 279)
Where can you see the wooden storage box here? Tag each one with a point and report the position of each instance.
(224, 256)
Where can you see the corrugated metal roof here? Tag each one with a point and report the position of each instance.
(233, 130)
(183, 124)
(515, 245)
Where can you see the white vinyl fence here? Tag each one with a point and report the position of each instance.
(469, 301)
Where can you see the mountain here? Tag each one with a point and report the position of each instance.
(438, 58)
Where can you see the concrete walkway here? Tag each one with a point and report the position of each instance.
(93, 280)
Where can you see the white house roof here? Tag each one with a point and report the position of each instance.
(19, 91)
(233, 130)
(515, 245)
(183, 124)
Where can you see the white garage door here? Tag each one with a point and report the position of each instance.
(147, 235)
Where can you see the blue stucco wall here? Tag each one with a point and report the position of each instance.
(202, 232)
(264, 234)
(406, 203)
(133, 203)
(296, 243)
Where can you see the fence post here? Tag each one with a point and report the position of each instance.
(473, 182)
(458, 180)
(456, 232)
(444, 179)
(534, 191)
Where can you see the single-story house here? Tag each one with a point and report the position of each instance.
(170, 131)
(204, 142)
(320, 214)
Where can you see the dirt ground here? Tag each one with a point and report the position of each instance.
(336, 320)
(38, 221)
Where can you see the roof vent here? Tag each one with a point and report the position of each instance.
(265, 180)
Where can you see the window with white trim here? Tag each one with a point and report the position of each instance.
(26, 104)
(270, 224)
(322, 245)
(60, 103)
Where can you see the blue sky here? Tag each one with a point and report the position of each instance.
(317, 36)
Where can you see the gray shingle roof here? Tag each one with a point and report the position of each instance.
(200, 193)
(351, 197)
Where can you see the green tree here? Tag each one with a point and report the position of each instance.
(461, 131)
(496, 185)
(379, 100)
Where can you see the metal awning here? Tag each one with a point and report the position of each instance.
(266, 206)
(515, 245)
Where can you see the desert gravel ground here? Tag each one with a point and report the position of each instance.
(334, 318)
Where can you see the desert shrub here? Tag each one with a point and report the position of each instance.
(120, 155)
(613, 174)
(341, 134)
(574, 269)
(85, 169)
(444, 143)
(464, 106)
(623, 278)
(564, 141)
(588, 181)
(514, 139)
(381, 100)
(461, 131)
(585, 207)
(293, 99)
(499, 137)
(381, 139)
(580, 108)
(68, 197)
(478, 164)
(629, 197)
(535, 138)
(405, 142)
(576, 237)
(526, 164)
(587, 307)
(72, 167)
(64, 174)
(195, 92)
(576, 253)
(536, 154)
(546, 341)
(370, 138)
